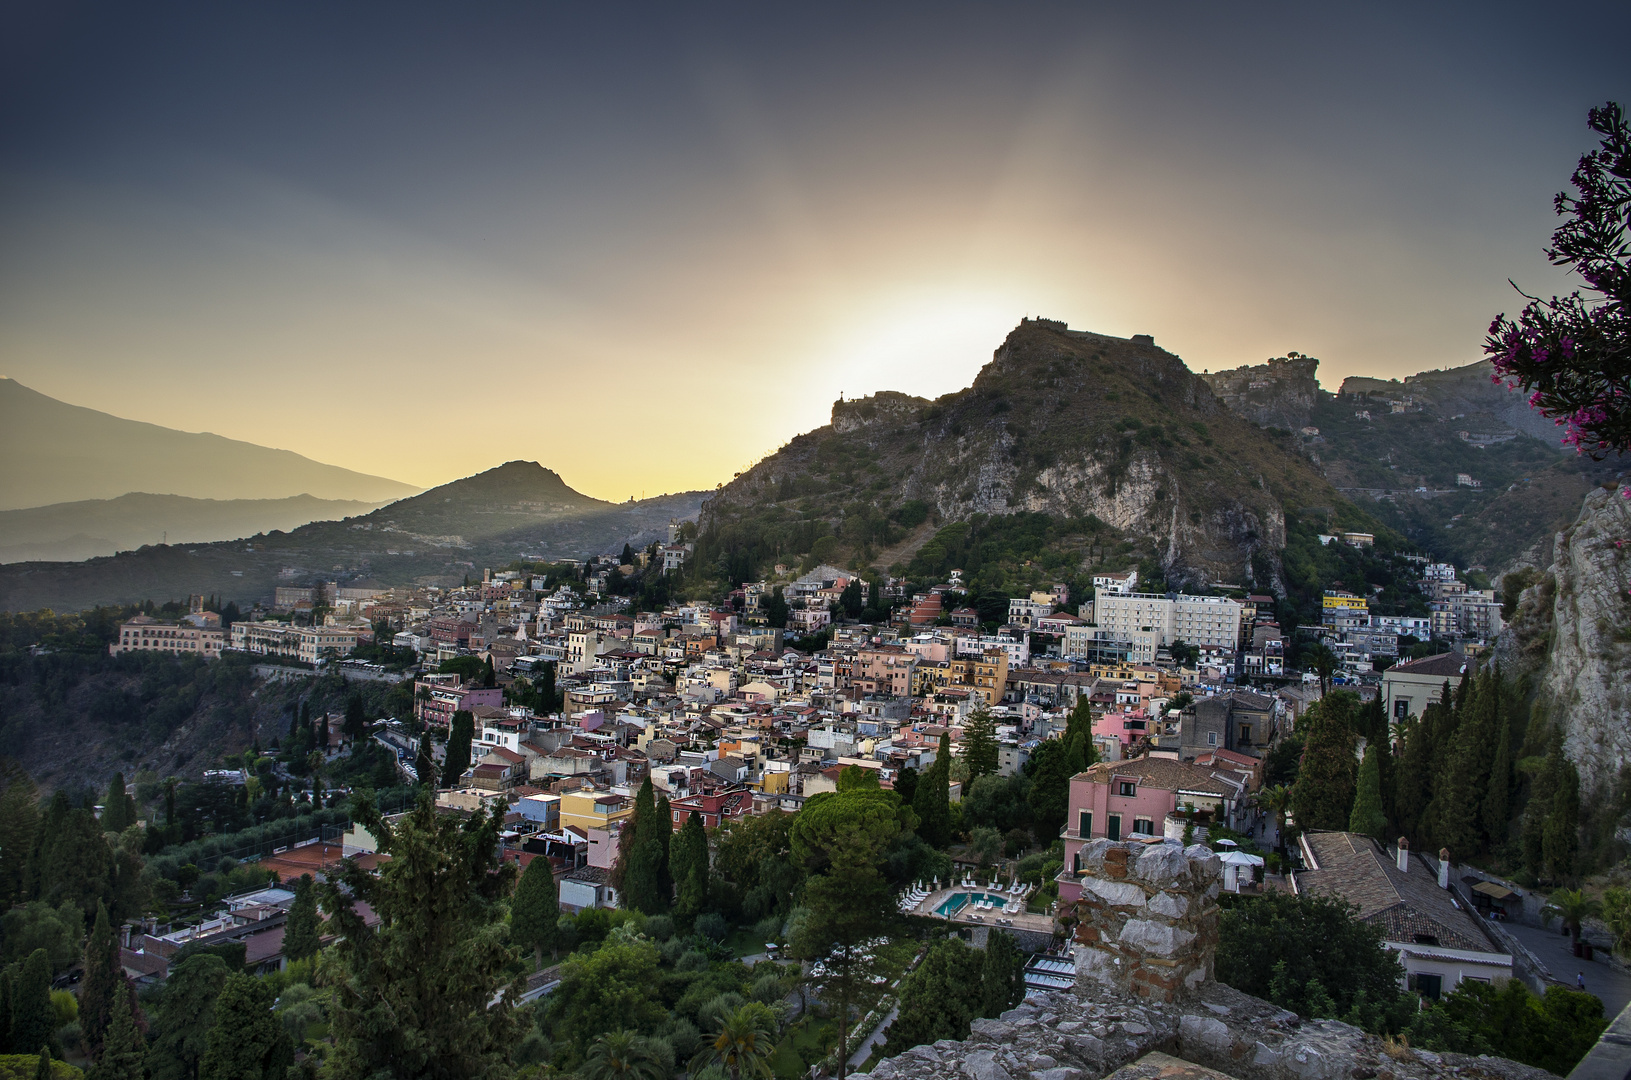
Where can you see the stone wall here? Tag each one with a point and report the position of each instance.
(1147, 921)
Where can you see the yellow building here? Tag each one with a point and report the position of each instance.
(594, 809)
(985, 677)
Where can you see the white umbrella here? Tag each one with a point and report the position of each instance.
(1226, 843)
(1240, 858)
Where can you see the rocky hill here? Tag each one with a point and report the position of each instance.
(1281, 393)
(517, 510)
(1071, 424)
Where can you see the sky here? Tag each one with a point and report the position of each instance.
(647, 244)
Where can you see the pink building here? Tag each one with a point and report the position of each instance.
(1132, 799)
(1129, 726)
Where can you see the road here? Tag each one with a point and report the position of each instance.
(864, 1049)
(1611, 985)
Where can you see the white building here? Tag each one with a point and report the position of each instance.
(1120, 583)
(1196, 620)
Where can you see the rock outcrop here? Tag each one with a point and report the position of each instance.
(1575, 622)
(1281, 393)
(1091, 1032)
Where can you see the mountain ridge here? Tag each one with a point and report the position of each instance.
(58, 452)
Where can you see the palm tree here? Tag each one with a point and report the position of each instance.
(1573, 907)
(621, 1055)
(1277, 801)
(744, 1043)
(1323, 661)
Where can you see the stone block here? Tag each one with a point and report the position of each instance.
(982, 1065)
(995, 1030)
(1161, 865)
(1114, 893)
(1171, 905)
(1156, 939)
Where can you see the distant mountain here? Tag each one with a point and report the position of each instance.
(1399, 448)
(56, 452)
(519, 510)
(72, 531)
(1073, 424)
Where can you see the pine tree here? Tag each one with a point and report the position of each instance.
(302, 933)
(535, 911)
(1367, 817)
(424, 764)
(423, 993)
(124, 1053)
(102, 981)
(1323, 795)
(932, 802)
(980, 744)
(688, 863)
(33, 1019)
(459, 738)
(247, 1042)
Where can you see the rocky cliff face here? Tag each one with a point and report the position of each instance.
(1574, 626)
(1281, 393)
(1064, 422)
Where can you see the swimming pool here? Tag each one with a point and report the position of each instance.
(953, 904)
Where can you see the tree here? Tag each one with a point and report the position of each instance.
(535, 912)
(776, 611)
(424, 766)
(457, 758)
(72, 860)
(1282, 946)
(906, 784)
(33, 1020)
(688, 864)
(1002, 975)
(1560, 839)
(302, 931)
(622, 1055)
(985, 845)
(606, 990)
(246, 1042)
(1573, 354)
(356, 719)
(1367, 818)
(1572, 907)
(980, 744)
(932, 800)
(1323, 795)
(118, 809)
(744, 1042)
(19, 831)
(935, 1002)
(423, 993)
(1276, 800)
(124, 1051)
(103, 980)
(645, 876)
(1324, 661)
(187, 1015)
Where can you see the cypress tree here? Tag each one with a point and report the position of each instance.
(42, 1068)
(124, 1053)
(459, 738)
(247, 1042)
(1456, 803)
(356, 720)
(535, 912)
(980, 744)
(688, 862)
(302, 933)
(19, 833)
(1560, 837)
(932, 802)
(1497, 805)
(1002, 975)
(424, 764)
(8, 979)
(33, 1019)
(102, 981)
(647, 868)
(115, 805)
(1367, 817)
(665, 833)
(1323, 795)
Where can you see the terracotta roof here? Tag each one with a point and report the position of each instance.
(1408, 906)
(1165, 773)
(1449, 664)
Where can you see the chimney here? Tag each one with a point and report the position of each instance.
(1444, 868)
(1404, 855)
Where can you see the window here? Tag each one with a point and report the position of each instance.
(1085, 824)
(1211, 738)
(1401, 708)
(1129, 788)
(1245, 734)
(1144, 826)
(1114, 827)
(1424, 939)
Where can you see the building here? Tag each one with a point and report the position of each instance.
(1340, 610)
(1196, 620)
(437, 697)
(194, 635)
(1410, 687)
(589, 809)
(1240, 721)
(1440, 944)
(310, 644)
(1128, 799)
(1120, 583)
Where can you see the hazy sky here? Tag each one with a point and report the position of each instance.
(647, 244)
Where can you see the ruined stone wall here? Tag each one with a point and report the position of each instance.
(1147, 920)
